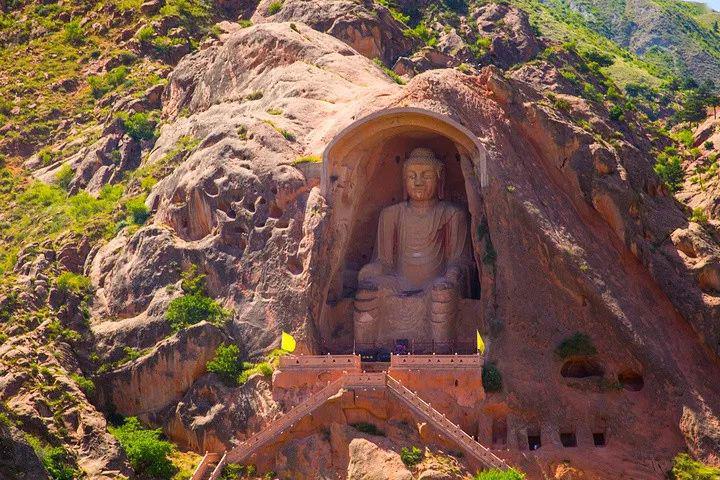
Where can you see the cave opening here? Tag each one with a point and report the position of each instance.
(568, 439)
(533, 437)
(599, 439)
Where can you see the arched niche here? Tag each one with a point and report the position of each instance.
(362, 173)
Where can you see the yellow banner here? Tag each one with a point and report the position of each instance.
(480, 343)
(287, 342)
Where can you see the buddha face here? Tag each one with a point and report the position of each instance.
(421, 181)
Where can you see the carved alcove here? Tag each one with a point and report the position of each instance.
(362, 173)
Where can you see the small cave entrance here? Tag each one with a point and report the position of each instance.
(568, 439)
(631, 380)
(599, 439)
(533, 437)
(581, 368)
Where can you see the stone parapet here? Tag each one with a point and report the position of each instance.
(320, 362)
(435, 362)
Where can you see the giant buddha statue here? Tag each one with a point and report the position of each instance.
(410, 290)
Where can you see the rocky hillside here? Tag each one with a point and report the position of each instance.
(160, 204)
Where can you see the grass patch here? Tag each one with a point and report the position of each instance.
(147, 452)
(390, 73)
(139, 125)
(411, 456)
(58, 463)
(274, 7)
(102, 84)
(194, 306)
(497, 474)
(73, 283)
(85, 384)
(226, 363)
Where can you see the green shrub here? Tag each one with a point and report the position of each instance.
(64, 176)
(709, 145)
(188, 10)
(73, 33)
(578, 344)
(191, 309)
(102, 84)
(274, 7)
(669, 168)
(148, 454)
(85, 384)
(56, 460)
(138, 212)
(698, 215)
(496, 474)
(616, 113)
(390, 73)
(491, 378)
(226, 363)
(73, 283)
(138, 125)
(685, 468)
(685, 137)
(145, 34)
(368, 428)
(250, 369)
(245, 23)
(256, 95)
(233, 471)
(422, 33)
(411, 456)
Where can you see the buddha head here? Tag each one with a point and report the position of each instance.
(423, 175)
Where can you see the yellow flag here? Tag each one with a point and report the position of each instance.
(287, 342)
(480, 343)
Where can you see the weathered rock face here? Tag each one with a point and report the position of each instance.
(50, 405)
(18, 459)
(154, 381)
(366, 26)
(512, 38)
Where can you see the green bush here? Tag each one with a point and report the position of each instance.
(698, 215)
(685, 468)
(250, 369)
(148, 454)
(411, 456)
(390, 73)
(64, 176)
(233, 471)
(578, 344)
(191, 309)
(138, 125)
(709, 145)
(274, 7)
(669, 168)
(145, 34)
(73, 283)
(85, 384)
(102, 84)
(194, 306)
(491, 378)
(191, 11)
(496, 474)
(368, 428)
(616, 113)
(226, 363)
(73, 33)
(138, 213)
(56, 460)
(685, 137)
(422, 33)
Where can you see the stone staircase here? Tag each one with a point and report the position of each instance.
(352, 380)
(210, 467)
